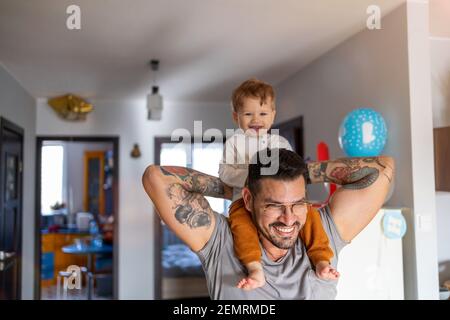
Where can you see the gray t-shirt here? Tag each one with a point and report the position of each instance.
(292, 277)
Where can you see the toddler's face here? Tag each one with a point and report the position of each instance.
(254, 118)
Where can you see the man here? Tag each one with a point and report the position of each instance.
(279, 206)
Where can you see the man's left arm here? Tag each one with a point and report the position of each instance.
(364, 182)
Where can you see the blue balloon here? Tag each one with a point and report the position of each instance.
(363, 133)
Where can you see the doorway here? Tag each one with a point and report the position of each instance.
(11, 167)
(178, 271)
(77, 217)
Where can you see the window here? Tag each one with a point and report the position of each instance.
(52, 177)
(204, 157)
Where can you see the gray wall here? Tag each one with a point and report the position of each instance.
(357, 73)
(19, 106)
(386, 70)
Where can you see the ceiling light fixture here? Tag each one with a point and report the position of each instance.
(154, 99)
(71, 107)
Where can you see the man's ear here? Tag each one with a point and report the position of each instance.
(248, 199)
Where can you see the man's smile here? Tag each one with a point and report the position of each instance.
(285, 231)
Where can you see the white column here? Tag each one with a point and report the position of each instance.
(425, 234)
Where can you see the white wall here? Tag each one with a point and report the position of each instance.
(375, 274)
(372, 69)
(128, 119)
(440, 75)
(440, 80)
(18, 106)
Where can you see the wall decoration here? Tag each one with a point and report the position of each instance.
(394, 224)
(135, 152)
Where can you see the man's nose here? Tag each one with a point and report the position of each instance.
(288, 218)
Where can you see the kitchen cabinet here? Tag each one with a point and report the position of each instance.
(54, 260)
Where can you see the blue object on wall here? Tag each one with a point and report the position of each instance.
(47, 265)
(394, 224)
(363, 133)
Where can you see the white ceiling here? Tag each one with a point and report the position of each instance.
(206, 47)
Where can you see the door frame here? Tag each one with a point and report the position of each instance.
(6, 124)
(37, 231)
(157, 230)
(295, 125)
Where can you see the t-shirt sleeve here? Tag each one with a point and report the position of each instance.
(336, 241)
(209, 254)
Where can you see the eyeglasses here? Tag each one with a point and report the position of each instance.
(277, 209)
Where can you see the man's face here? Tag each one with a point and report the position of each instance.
(280, 230)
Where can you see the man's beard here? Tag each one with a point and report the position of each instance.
(276, 240)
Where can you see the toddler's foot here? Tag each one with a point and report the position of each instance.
(325, 271)
(255, 278)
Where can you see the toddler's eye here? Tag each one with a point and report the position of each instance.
(247, 114)
(263, 114)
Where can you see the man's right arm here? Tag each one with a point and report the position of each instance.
(365, 184)
(178, 195)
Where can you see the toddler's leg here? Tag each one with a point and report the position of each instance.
(246, 245)
(317, 246)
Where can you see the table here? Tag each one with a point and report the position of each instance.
(88, 250)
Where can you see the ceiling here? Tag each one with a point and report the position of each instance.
(440, 18)
(206, 47)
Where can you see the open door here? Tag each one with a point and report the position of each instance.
(11, 143)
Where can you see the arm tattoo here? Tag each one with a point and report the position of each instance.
(190, 208)
(187, 194)
(377, 161)
(317, 171)
(354, 177)
(350, 173)
(195, 181)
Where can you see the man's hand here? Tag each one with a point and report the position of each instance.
(178, 195)
(364, 182)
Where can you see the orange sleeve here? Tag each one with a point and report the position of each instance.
(245, 234)
(315, 238)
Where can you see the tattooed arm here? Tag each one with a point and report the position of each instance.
(178, 195)
(364, 182)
